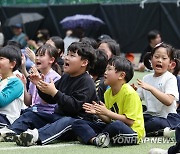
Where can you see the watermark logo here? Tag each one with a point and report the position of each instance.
(130, 139)
(125, 139)
(157, 140)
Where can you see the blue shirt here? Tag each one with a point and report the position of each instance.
(11, 97)
(21, 39)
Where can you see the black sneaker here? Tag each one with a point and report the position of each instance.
(102, 140)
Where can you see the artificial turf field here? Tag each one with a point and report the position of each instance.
(77, 148)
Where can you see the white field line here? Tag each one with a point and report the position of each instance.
(35, 147)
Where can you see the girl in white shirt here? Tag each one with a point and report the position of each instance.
(159, 90)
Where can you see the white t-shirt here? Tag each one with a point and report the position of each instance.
(167, 84)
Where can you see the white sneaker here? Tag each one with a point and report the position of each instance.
(169, 132)
(27, 138)
(158, 151)
(102, 140)
(6, 135)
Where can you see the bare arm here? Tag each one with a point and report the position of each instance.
(23, 66)
(166, 99)
(27, 96)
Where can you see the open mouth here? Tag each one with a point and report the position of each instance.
(38, 63)
(158, 66)
(66, 64)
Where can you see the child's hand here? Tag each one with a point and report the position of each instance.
(47, 88)
(31, 43)
(33, 70)
(30, 53)
(23, 61)
(22, 78)
(34, 75)
(89, 108)
(144, 85)
(134, 86)
(101, 108)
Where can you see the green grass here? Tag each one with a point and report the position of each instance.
(77, 148)
(138, 75)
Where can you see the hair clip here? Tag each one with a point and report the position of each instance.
(158, 45)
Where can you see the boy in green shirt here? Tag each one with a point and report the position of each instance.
(121, 114)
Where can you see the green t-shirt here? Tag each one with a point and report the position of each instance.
(127, 102)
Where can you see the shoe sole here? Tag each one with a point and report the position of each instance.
(24, 139)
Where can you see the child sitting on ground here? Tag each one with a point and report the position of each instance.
(39, 112)
(11, 87)
(69, 94)
(121, 114)
(159, 91)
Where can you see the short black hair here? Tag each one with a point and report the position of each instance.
(43, 34)
(85, 51)
(122, 64)
(152, 35)
(11, 53)
(177, 61)
(100, 63)
(89, 40)
(113, 46)
(170, 50)
(12, 42)
(58, 42)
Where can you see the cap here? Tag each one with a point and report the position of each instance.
(17, 25)
(103, 37)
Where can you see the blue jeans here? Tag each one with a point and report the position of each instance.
(173, 119)
(153, 123)
(60, 128)
(86, 130)
(178, 133)
(31, 120)
(3, 121)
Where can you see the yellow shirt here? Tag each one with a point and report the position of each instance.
(127, 102)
